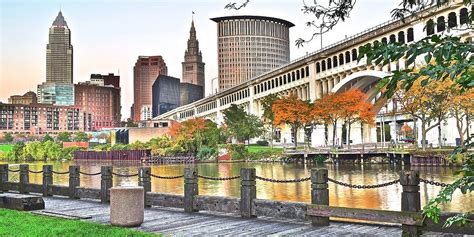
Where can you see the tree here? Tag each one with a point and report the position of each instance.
(462, 109)
(429, 104)
(329, 110)
(354, 108)
(241, 125)
(64, 137)
(8, 137)
(292, 111)
(268, 114)
(81, 137)
(130, 123)
(47, 137)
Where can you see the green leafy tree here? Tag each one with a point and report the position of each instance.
(16, 153)
(241, 125)
(269, 115)
(8, 137)
(64, 137)
(47, 137)
(81, 137)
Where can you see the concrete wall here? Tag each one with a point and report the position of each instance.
(145, 134)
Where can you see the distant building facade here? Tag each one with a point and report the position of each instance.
(56, 93)
(101, 80)
(193, 67)
(189, 93)
(42, 119)
(145, 72)
(101, 100)
(166, 94)
(26, 99)
(59, 52)
(249, 46)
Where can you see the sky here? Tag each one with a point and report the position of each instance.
(109, 35)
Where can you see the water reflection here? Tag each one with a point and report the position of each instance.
(386, 198)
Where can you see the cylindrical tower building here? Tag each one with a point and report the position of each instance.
(249, 46)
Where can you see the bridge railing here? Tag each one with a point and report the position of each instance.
(248, 206)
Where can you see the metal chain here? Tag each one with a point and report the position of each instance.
(219, 178)
(89, 174)
(14, 171)
(358, 186)
(35, 172)
(166, 177)
(283, 180)
(435, 183)
(124, 175)
(56, 172)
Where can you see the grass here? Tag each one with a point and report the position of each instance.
(6, 147)
(253, 148)
(15, 223)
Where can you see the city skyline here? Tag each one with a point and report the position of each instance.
(106, 41)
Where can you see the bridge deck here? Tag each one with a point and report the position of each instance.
(173, 221)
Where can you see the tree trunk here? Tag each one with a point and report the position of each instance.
(423, 136)
(440, 139)
(334, 134)
(271, 136)
(348, 140)
(326, 135)
(295, 130)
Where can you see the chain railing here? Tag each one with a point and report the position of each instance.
(219, 178)
(13, 171)
(359, 186)
(167, 177)
(283, 180)
(89, 174)
(58, 172)
(35, 172)
(435, 183)
(124, 175)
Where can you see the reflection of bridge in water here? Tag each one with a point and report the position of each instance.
(330, 70)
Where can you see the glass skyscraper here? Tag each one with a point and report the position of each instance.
(59, 52)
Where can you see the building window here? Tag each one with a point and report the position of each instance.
(401, 37)
(354, 54)
(318, 67)
(334, 61)
(410, 36)
(463, 16)
(341, 59)
(348, 57)
(452, 20)
(429, 27)
(441, 24)
(329, 63)
(393, 39)
(323, 65)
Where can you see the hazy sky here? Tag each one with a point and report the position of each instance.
(109, 35)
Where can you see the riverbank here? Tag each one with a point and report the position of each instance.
(16, 223)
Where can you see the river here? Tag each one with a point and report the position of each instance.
(386, 198)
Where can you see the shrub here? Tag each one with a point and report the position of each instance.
(237, 151)
(206, 153)
(320, 159)
(262, 143)
(266, 154)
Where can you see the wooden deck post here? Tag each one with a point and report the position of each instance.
(410, 181)
(248, 191)
(105, 183)
(144, 180)
(190, 188)
(24, 178)
(74, 180)
(319, 193)
(3, 177)
(47, 179)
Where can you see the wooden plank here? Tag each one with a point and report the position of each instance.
(401, 217)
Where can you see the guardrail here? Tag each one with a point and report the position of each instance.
(248, 206)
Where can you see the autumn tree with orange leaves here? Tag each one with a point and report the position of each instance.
(194, 133)
(292, 111)
(462, 109)
(328, 109)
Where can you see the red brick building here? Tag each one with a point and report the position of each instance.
(42, 119)
(145, 72)
(101, 100)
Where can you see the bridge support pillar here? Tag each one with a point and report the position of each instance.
(190, 188)
(144, 180)
(410, 181)
(3, 177)
(47, 179)
(319, 193)
(248, 191)
(105, 183)
(24, 178)
(74, 180)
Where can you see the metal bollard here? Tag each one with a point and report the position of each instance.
(248, 191)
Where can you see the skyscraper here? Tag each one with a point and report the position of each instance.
(59, 52)
(193, 67)
(145, 72)
(249, 46)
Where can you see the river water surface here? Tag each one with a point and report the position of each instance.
(386, 198)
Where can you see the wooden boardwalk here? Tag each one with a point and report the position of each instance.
(176, 222)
